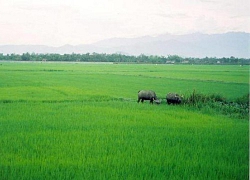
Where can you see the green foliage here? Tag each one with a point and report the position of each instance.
(82, 121)
(26, 57)
(120, 58)
(215, 103)
(244, 100)
(196, 98)
(100, 140)
(175, 58)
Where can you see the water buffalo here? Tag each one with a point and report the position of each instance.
(173, 98)
(146, 95)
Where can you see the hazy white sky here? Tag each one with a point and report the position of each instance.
(60, 22)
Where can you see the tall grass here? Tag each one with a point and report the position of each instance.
(215, 103)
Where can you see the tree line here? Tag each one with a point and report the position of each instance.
(121, 58)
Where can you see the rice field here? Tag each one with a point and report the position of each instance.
(82, 121)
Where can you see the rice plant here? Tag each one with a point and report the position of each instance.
(74, 121)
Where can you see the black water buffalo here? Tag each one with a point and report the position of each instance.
(146, 95)
(173, 98)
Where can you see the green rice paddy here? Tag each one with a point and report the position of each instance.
(82, 121)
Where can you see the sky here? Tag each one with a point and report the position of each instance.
(75, 22)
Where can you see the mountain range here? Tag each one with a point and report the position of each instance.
(199, 45)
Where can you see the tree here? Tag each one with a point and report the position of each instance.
(175, 58)
(25, 57)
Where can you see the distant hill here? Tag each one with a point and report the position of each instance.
(199, 45)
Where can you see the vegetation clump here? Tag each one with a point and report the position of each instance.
(238, 108)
